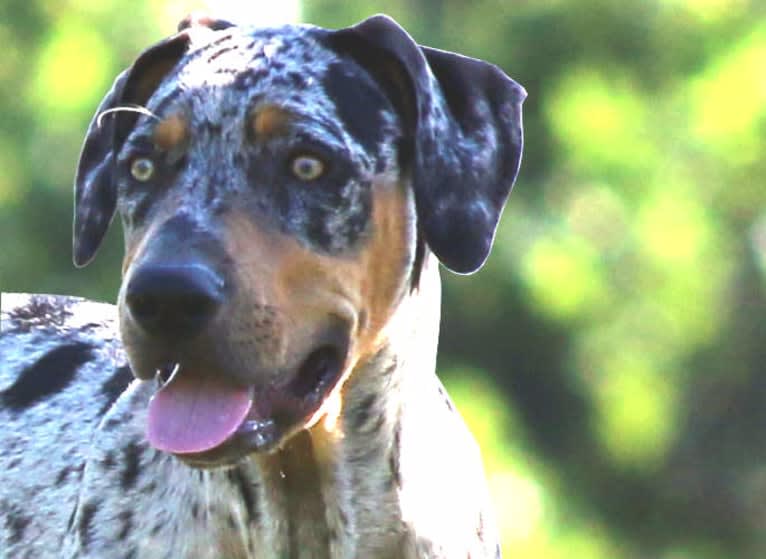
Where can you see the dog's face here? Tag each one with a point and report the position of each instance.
(278, 188)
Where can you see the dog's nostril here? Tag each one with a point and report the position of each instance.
(174, 300)
(196, 306)
(142, 306)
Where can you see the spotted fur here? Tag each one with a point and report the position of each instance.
(195, 148)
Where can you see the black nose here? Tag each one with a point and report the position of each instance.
(174, 300)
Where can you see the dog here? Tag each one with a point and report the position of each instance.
(265, 386)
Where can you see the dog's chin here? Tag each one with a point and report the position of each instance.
(278, 411)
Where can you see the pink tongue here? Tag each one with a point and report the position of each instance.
(195, 413)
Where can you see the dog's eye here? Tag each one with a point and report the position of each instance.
(307, 167)
(142, 169)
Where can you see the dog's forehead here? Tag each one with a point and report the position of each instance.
(237, 66)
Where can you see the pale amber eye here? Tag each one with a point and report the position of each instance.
(307, 167)
(142, 169)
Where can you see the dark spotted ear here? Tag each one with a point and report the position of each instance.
(464, 134)
(95, 189)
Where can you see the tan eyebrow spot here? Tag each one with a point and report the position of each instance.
(270, 120)
(170, 133)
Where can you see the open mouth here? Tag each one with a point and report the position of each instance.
(209, 421)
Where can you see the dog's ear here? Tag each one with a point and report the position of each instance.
(464, 134)
(95, 188)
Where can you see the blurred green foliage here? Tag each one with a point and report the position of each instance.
(610, 354)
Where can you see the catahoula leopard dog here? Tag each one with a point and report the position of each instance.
(265, 387)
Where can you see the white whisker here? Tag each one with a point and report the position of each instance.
(129, 108)
(159, 376)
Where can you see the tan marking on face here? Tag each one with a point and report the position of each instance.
(269, 120)
(171, 133)
(309, 289)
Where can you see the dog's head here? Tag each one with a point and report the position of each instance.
(278, 189)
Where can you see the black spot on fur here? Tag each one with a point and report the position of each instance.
(48, 375)
(247, 79)
(62, 475)
(213, 128)
(155, 456)
(41, 310)
(417, 265)
(131, 458)
(390, 368)
(358, 102)
(297, 80)
(114, 386)
(111, 424)
(247, 491)
(316, 230)
(16, 523)
(361, 412)
(393, 458)
(87, 512)
(70, 522)
(108, 462)
(368, 420)
(221, 52)
(126, 524)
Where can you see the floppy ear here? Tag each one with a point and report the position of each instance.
(463, 121)
(95, 188)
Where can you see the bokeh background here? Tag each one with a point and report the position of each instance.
(610, 356)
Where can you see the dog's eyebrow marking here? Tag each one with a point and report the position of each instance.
(48, 375)
(171, 132)
(269, 120)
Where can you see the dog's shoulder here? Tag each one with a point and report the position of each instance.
(61, 368)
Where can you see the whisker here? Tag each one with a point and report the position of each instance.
(160, 379)
(128, 108)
